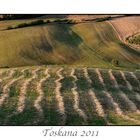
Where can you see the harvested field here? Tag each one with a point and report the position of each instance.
(126, 26)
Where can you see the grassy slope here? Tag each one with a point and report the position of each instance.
(91, 44)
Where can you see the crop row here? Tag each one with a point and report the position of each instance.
(69, 96)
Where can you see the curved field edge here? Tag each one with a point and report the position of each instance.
(126, 27)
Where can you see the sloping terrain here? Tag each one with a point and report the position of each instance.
(69, 96)
(70, 73)
(126, 26)
(89, 44)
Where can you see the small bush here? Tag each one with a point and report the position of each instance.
(127, 38)
(58, 20)
(67, 21)
(134, 40)
(103, 19)
(22, 25)
(115, 62)
(70, 22)
(37, 22)
(6, 67)
(48, 21)
(9, 28)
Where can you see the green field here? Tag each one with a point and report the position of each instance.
(85, 44)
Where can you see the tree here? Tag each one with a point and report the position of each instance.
(115, 62)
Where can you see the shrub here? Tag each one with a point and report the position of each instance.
(115, 62)
(70, 22)
(67, 21)
(22, 25)
(6, 67)
(103, 19)
(134, 40)
(48, 21)
(58, 20)
(127, 38)
(37, 22)
(9, 28)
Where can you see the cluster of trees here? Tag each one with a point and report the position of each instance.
(134, 39)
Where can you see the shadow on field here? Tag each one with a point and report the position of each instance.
(64, 34)
(58, 42)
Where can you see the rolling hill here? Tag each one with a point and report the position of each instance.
(85, 44)
(78, 72)
(126, 28)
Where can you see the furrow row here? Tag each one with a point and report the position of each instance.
(40, 91)
(125, 98)
(10, 75)
(23, 90)
(6, 87)
(76, 98)
(59, 98)
(115, 105)
(91, 93)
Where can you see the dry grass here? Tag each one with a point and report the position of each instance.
(85, 44)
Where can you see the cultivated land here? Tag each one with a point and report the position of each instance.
(71, 74)
(69, 96)
(126, 26)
